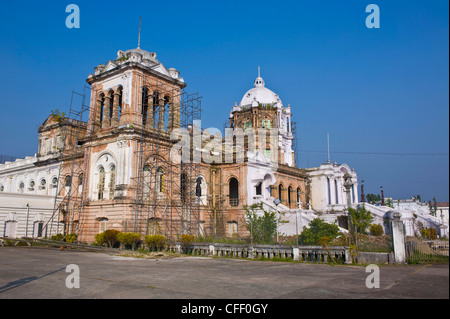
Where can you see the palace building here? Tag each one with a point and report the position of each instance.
(139, 163)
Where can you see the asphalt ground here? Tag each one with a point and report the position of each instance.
(43, 273)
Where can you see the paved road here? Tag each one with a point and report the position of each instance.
(41, 273)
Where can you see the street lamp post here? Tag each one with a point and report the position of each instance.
(26, 226)
(276, 201)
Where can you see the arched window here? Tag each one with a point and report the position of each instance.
(31, 188)
(21, 187)
(168, 121)
(103, 224)
(101, 107)
(153, 226)
(198, 187)
(155, 108)
(289, 195)
(111, 106)
(68, 181)
(280, 192)
(265, 123)
(299, 192)
(112, 181)
(144, 110)
(80, 183)
(234, 192)
(248, 124)
(54, 182)
(101, 182)
(200, 190)
(2, 188)
(183, 182)
(147, 180)
(120, 97)
(160, 180)
(43, 184)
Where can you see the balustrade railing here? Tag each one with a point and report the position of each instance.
(314, 254)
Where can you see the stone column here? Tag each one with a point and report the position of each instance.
(176, 115)
(295, 253)
(398, 238)
(105, 122)
(98, 110)
(150, 121)
(161, 115)
(115, 115)
(211, 250)
(170, 125)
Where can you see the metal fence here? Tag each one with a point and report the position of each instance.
(420, 251)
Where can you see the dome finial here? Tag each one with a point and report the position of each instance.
(259, 80)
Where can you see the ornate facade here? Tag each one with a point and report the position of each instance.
(126, 168)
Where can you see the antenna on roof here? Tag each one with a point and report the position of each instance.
(259, 71)
(328, 142)
(139, 39)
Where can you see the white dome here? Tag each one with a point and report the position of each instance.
(260, 94)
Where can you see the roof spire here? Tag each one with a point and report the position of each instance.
(259, 80)
(139, 39)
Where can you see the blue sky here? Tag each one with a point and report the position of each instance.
(377, 92)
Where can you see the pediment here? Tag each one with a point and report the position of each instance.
(110, 66)
(49, 121)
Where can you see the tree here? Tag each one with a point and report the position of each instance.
(262, 228)
(433, 207)
(372, 198)
(389, 203)
(317, 232)
(361, 219)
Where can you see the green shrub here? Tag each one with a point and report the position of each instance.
(376, 229)
(57, 237)
(429, 233)
(186, 241)
(324, 241)
(155, 242)
(316, 231)
(108, 237)
(71, 238)
(129, 239)
(262, 228)
(100, 239)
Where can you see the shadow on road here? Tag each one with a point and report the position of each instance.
(24, 281)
